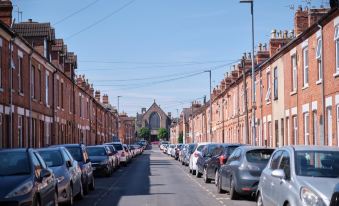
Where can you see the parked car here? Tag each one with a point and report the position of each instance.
(335, 196)
(192, 166)
(189, 151)
(114, 156)
(207, 153)
(79, 153)
(121, 151)
(177, 149)
(100, 158)
(127, 152)
(25, 179)
(67, 172)
(300, 175)
(219, 157)
(170, 148)
(182, 152)
(241, 173)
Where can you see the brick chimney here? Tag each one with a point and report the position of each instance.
(300, 20)
(278, 40)
(105, 99)
(6, 12)
(91, 90)
(97, 96)
(262, 54)
(315, 15)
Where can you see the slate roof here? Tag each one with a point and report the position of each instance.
(34, 29)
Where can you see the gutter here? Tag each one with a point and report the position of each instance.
(30, 95)
(322, 137)
(11, 43)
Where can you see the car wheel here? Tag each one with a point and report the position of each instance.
(233, 193)
(92, 185)
(218, 184)
(259, 200)
(206, 179)
(80, 195)
(71, 198)
(56, 203)
(108, 171)
(36, 201)
(197, 173)
(216, 176)
(86, 188)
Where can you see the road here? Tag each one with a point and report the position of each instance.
(156, 179)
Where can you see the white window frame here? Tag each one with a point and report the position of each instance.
(275, 83)
(315, 127)
(33, 81)
(295, 129)
(329, 126)
(306, 128)
(336, 40)
(268, 92)
(20, 123)
(305, 67)
(47, 88)
(288, 130)
(20, 74)
(318, 57)
(294, 73)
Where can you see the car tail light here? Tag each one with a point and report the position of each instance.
(222, 159)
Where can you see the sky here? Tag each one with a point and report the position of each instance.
(146, 50)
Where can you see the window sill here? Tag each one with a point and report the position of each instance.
(48, 106)
(305, 87)
(269, 102)
(335, 75)
(21, 94)
(319, 81)
(34, 100)
(293, 93)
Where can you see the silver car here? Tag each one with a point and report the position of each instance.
(299, 175)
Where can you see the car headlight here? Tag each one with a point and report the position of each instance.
(104, 162)
(309, 198)
(22, 189)
(60, 179)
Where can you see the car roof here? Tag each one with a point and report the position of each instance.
(67, 145)
(50, 148)
(251, 147)
(107, 143)
(96, 146)
(16, 150)
(311, 148)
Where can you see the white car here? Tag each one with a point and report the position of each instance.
(194, 157)
(123, 156)
(170, 148)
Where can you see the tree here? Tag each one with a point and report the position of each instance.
(162, 134)
(181, 138)
(144, 133)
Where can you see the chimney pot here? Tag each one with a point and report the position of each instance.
(273, 34)
(249, 55)
(260, 46)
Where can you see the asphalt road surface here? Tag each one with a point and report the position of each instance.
(156, 179)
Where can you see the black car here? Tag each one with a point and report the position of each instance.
(335, 196)
(241, 173)
(79, 153)
(219, 157)
(25, 179)
(67, 172)
(101, 159)
(206, 153)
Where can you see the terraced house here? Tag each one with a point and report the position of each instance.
(42, 101)
(296, 89)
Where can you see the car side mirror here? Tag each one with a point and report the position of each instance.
(88, 161)
(69, 163)
(278, 173)
(44, 173)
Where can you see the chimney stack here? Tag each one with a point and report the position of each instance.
(91, 90)
(300, 20)
(105, 99)
(6, 12)
(97, 96)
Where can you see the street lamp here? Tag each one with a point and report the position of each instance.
(253, 76)
(118, 117)
(210, 123)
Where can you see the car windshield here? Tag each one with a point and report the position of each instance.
(259, 155)
(231, 149)
(14, 163)
(96, 151)
(76, 153)
(200, 148)
(191, 147)
(317, 163)
(212, 147)
(118, 146)
(52, 158)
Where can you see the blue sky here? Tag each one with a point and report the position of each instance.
(157, 49)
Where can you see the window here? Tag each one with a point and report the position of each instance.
(62, 95)
(269, 129)
(275, 83)
(268, 93)
(275, 160)
(294, 73)
(33, 82)
(295, 130)
(47, 88)
(20, 75)
(57, 93)
(20, 131)
(318, 56)
(306, 128)
(80, 106)
(329, 126)
(305, 66)
(336, 38)
(0, 65)
(285, 164)
(40, 85)
(288, 132)
(1, 130)
(315, 128)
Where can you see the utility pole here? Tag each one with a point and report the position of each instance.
(210, 122)
(253, 75)
(247, 140)
(193, 122)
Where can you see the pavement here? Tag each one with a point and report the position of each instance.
(156, 179)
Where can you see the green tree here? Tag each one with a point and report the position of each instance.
(144, 133)
(162, 134)
(181, 138)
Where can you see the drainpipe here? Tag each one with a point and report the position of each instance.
(10, 91)
(30, 95)
(322, 138)
(53, 107)
(261, 113)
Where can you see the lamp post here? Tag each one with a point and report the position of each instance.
(210, 122)
(253, 76)
(118, 117)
